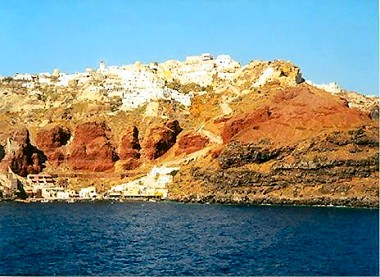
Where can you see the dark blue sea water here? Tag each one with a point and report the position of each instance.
(184, 239)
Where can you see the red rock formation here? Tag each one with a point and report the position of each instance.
(244, 121)
(160, 139)
(294, 114)
(91, 148)
(190, 143)
(129, 149)
(130, 164)
(21, 156)
(50, 140)
(129, 144)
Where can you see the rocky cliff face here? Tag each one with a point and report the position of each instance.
(305, 147)
(51, 141)
(190, 143)
(129, 149)
(91, 148)
(258, 73)
(293, 114)
(261, 136)
(21, 156)
(159, 140)
(332, 170)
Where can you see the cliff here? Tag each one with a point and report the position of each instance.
(251, 134)
(21, 156)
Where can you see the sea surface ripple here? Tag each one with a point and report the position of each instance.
(166, 238)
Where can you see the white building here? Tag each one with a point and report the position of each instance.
(154, 184)
(38, 182)
(206, 56)
(102, 66)
(225, 63)
(87, 193)
(63, 194)
(23, 77)
(54, 193)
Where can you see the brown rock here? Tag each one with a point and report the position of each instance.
(129, 164)
(2, 152)
(294, 114)
(129, 149)
(160, 139)
(91, 148)
(190, 143)
(374, 112)
(242, 122)
(129, 144)
(50, 140)
(21, 156)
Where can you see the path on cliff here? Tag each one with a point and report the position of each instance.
(212, 137)
(188, 158)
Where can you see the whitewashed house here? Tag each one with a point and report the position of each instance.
(88, 193)
(154, 184)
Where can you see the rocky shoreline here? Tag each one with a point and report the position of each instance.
(356, 202)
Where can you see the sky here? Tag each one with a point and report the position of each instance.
(330, 40)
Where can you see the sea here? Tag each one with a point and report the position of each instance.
(173, 239)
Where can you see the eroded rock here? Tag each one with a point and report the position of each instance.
(160, 139)
(91, 148)
(21, 156)
(190, 143)
(129, 144)
(129, 149)
(51, 140)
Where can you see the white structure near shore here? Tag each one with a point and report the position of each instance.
(88, 193)
(44, 186)
(154, 184)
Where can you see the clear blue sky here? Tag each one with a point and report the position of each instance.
(331, 40)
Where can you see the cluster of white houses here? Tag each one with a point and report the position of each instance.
(153, 185)
(138, 84)
(43, 187)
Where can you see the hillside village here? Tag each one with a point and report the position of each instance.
(138, 84)
(142, 131)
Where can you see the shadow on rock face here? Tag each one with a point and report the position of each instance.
(2, 152)
(21, 156)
